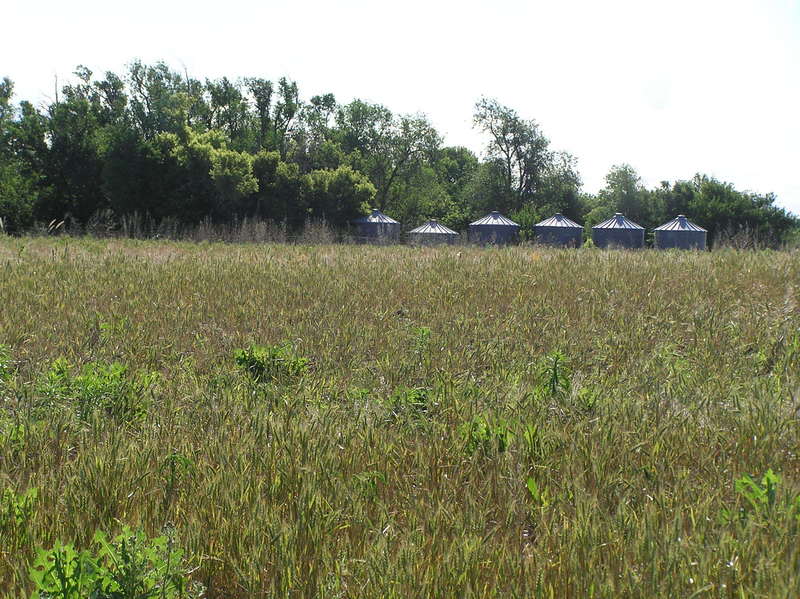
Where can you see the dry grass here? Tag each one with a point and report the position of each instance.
(684, 376)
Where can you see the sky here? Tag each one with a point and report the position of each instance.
(671, 88)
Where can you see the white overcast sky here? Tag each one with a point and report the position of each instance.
(671, 87)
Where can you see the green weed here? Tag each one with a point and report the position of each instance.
(412, 403)
(271, 363)
(129, 566)
(108, 389)
(485, 436)
(16, 512)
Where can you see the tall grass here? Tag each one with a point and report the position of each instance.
(427, 449)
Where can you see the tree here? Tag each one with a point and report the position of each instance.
(281, 193)
(723, 210)
(232, 173)
(17, 185)
(339, 196)
(517, 148)
(385, 148)
(275, 117)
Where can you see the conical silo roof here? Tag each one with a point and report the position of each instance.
(496, 219)
(680, 223)
(433, 227)
(377, 217)
(618, 221)
(559, 220)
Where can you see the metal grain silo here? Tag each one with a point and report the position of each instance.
(680, 233)
(432, 233)
(558, 231)
(494, 228)
(618, 232)
(377, 227)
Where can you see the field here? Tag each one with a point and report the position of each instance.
(451, 422)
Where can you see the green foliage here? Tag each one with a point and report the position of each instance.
(6, 363)
(16, 511)
(761, 500)
(539, 497)
(422, 342)
(129, 566)
(339, 195)
(277, 363)
(370, 481)
(174, 469)
(410, 402)
(484, 436)
(157, 145)
(109, 389)
(554, 373)
(64, 573)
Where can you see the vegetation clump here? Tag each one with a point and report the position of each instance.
(109, 389)
(271, 362)
(128, 566)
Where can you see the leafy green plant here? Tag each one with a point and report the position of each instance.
(129, 566)
(411, 402)
(369, 481)
(16, 511)
(422, 341)
(99, 387)
(64, 573)
(761, 499)
(6, 364)
(535, 445)
(555, 373)
(173, 470)
(589, 399)
(271, 362)
(482, 435)
(539, 497)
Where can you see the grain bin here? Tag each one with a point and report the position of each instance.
(680, 233)
(377, 227)
(494, 228)
(558, 231)
(432, 233)
(618, 232)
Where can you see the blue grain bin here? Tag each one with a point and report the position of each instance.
(494, 228)
(432, 233)
(558, 231)
(618, 232)
(680, 233)
(377, 227)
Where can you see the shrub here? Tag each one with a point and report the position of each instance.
(272, 362)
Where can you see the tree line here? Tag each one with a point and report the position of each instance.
(158, 143)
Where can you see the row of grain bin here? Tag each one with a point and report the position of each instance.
(621, 232)
(496, 229)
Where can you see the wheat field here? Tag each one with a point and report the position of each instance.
(434, 422)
